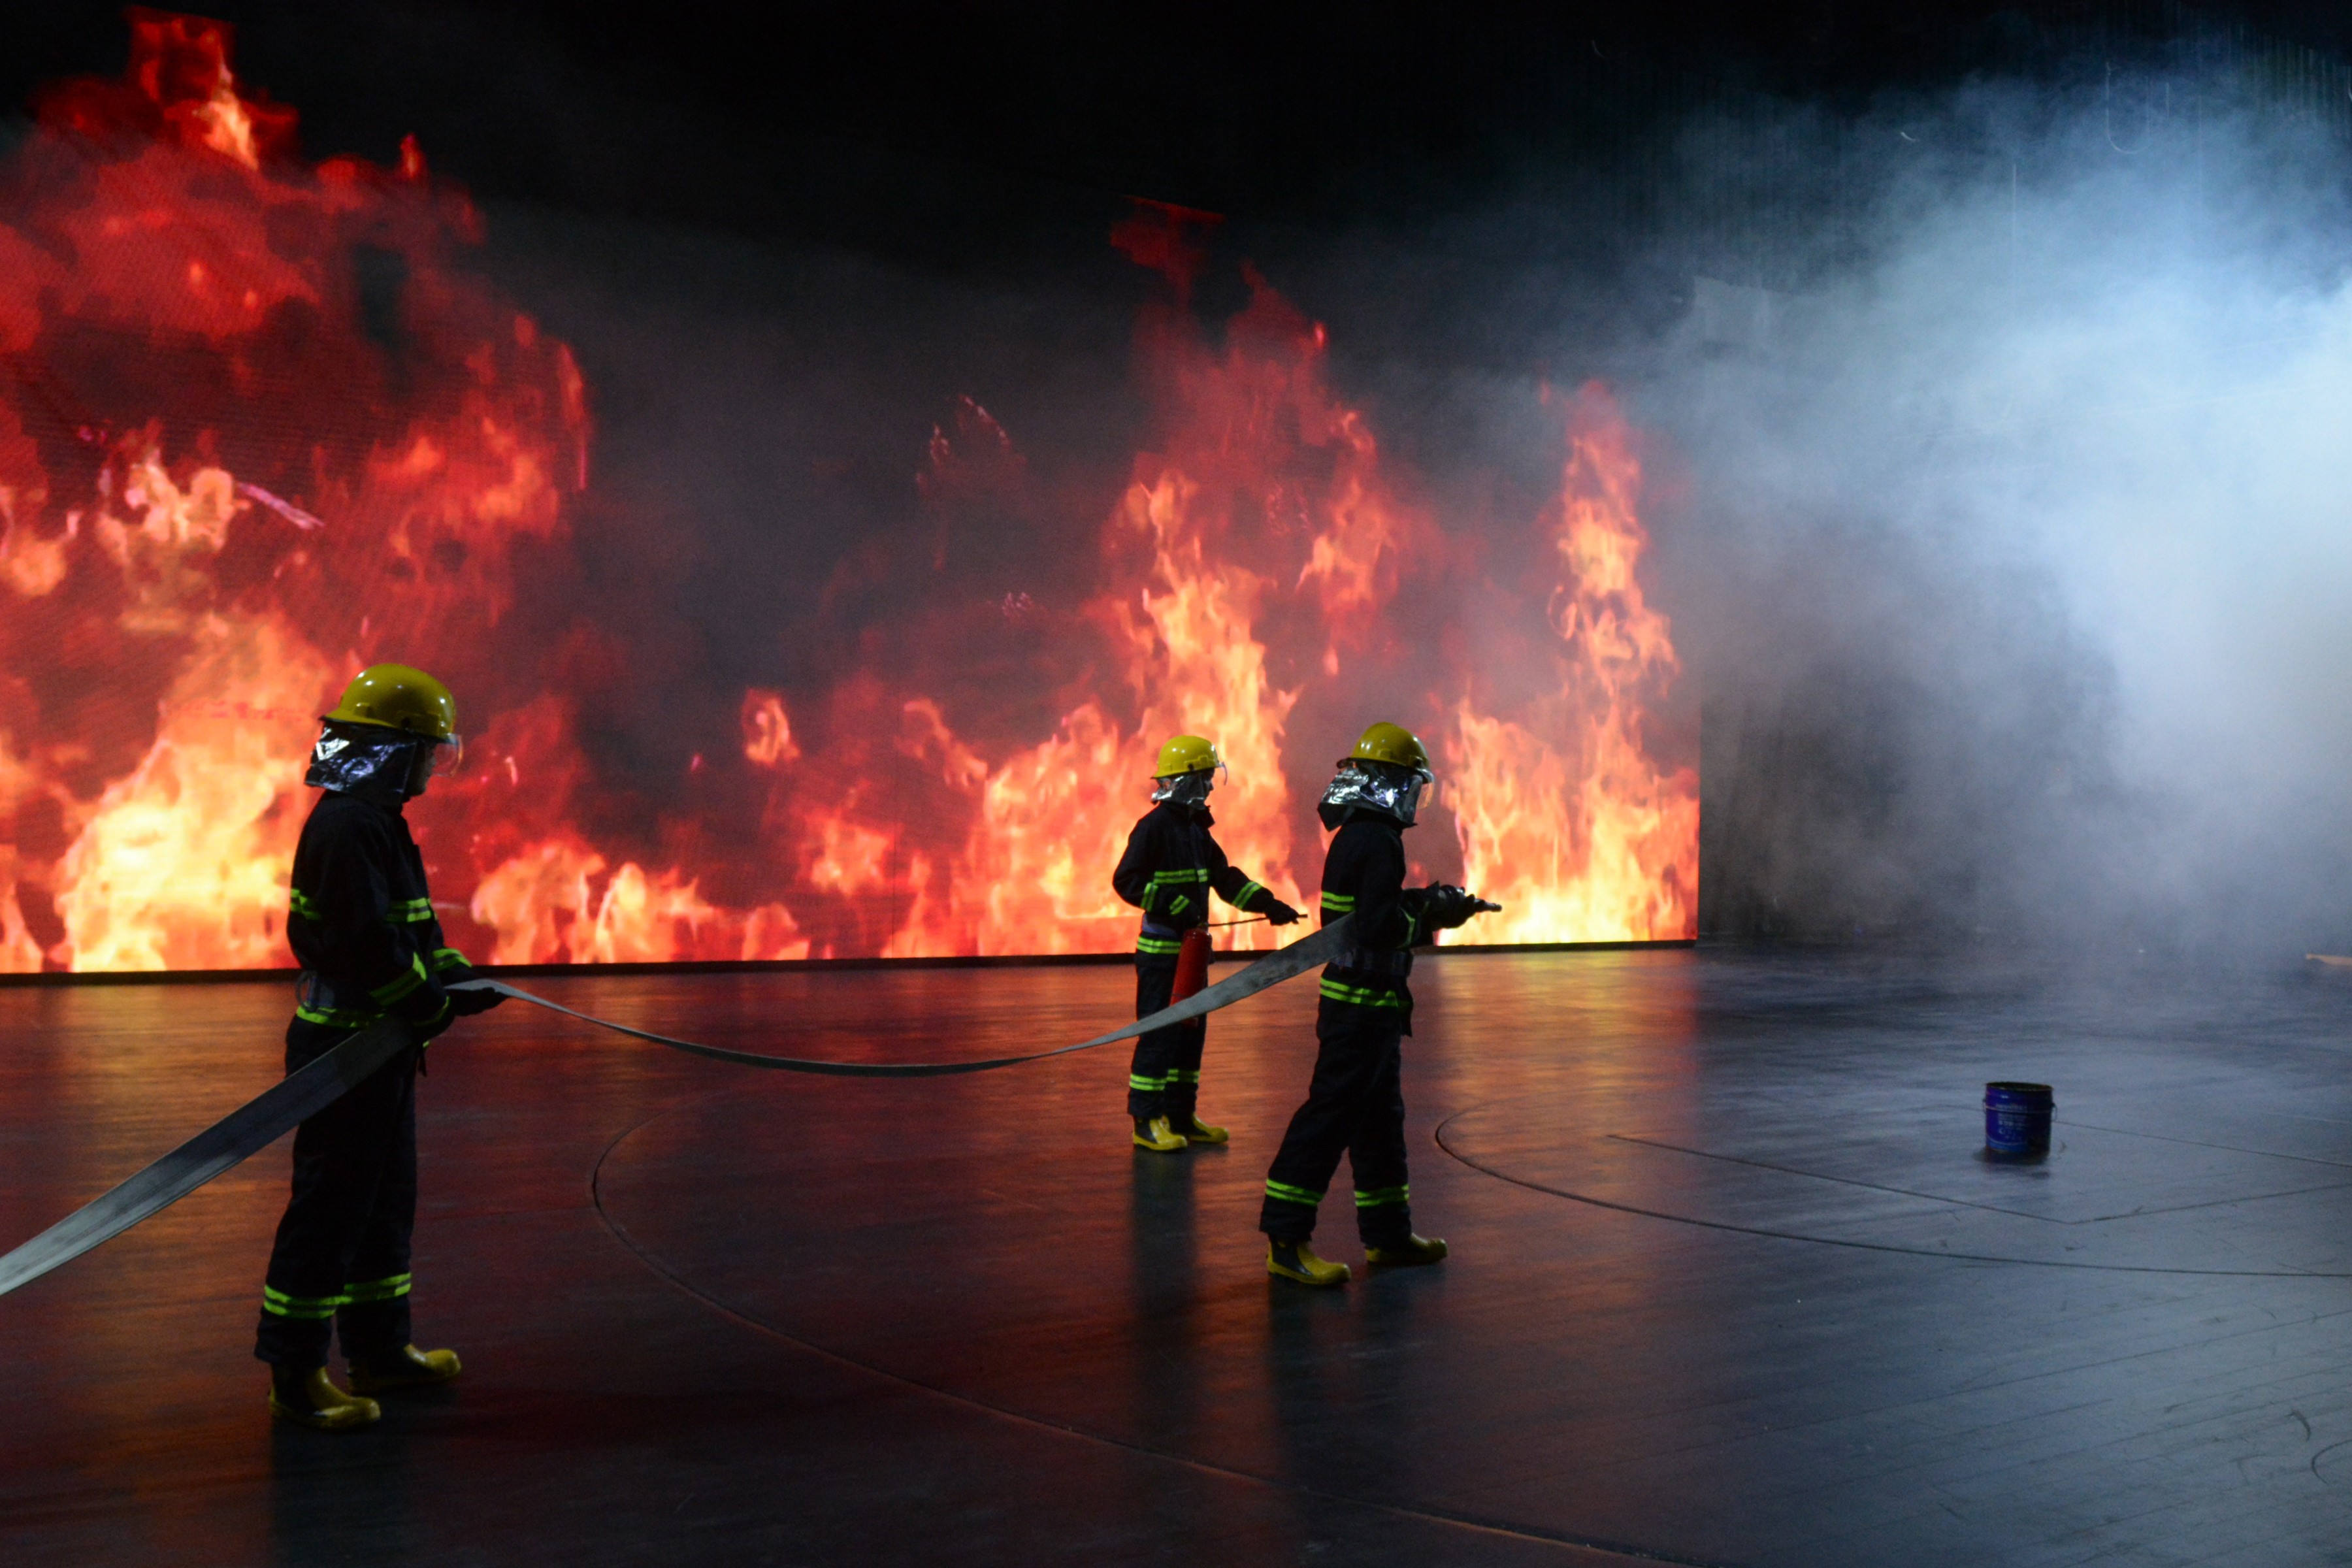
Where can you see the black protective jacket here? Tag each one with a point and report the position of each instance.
(1363, 876)
(1172, 862)
(361, 920)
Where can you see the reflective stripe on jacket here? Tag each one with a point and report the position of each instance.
(1363, 876)
(1172, 865)
(360, 919)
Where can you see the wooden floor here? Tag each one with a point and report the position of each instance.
(1731, 1283)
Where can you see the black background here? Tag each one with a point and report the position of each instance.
(1300, 112)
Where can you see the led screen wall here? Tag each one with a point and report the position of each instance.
(266, 420)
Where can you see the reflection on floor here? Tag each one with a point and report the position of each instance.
(1731, 1283)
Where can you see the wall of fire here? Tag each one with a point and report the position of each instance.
(265, 420)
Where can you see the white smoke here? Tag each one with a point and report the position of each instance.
(2021, 535)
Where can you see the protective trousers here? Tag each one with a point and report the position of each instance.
(342, 1257)
(1164, 1078)
(1356, 1103)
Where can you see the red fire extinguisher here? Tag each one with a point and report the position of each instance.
(1192, 964)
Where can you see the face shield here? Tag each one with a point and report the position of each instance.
(434, 759)
(1189, 789)
(1384, 787)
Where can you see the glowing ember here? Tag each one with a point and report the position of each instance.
(332, 445)
(767, 730)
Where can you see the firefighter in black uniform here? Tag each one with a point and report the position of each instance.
(1170, 867)
(1356, 1102)
(361, 922)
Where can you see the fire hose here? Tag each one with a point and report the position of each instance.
(270, 1116)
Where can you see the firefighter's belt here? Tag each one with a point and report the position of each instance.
(270, 1116)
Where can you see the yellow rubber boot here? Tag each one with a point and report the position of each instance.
(311, 1399)
(1202, 1133)
(1154, 1134)
(406, 1368)
(1297, 1260)
(1412, 1252)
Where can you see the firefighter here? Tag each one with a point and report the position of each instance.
(1172, 863)
(1356, 1102)
(362, 923)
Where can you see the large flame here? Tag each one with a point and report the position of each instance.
(1564, 819)
(1053, 818)
(184, 863)
(258, 429)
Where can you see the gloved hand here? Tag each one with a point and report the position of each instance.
(1278, 913)
(1447, 907)
(466, 1004)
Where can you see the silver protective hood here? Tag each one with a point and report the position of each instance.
(1391, 791)
(1187, 789)
(364, 759)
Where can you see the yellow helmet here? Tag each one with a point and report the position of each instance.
(1390, 744)
(1186, 754)
(398, 697)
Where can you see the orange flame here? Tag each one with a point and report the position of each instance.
(547, 901)
(184, 863)
(1566, 821)
(169, 215)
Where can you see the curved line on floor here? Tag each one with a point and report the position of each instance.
(1470, 1522)
(1534, 1186)
(2333, 1186)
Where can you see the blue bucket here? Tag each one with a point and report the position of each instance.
(2017, 1119)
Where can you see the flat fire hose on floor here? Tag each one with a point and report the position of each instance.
(270, 1116)
(250, 1128)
